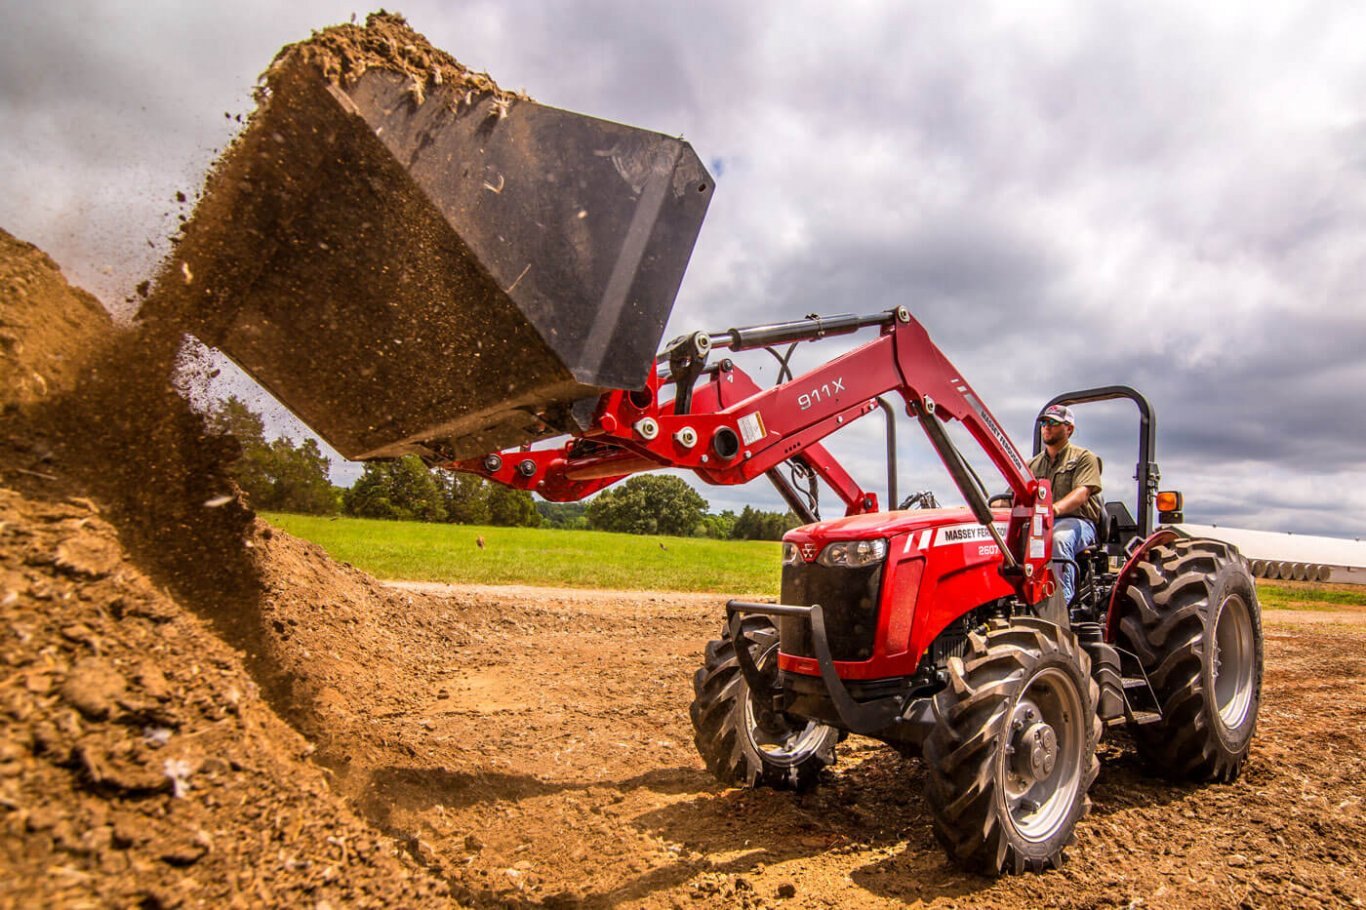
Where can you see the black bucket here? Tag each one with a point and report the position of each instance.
(444, 277)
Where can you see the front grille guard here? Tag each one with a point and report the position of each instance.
(858, 717)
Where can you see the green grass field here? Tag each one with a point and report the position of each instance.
(416, 551)
(1299, 595)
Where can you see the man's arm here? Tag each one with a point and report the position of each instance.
(1086, 477)
(1071, 502)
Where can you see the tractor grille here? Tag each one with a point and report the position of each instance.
(849, 600)
(952, 642)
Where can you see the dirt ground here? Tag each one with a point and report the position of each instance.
(198, 710)
(559, 739)
(530, 747)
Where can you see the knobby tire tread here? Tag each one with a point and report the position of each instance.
(972, 713)
(1167, 611)
(717, 713)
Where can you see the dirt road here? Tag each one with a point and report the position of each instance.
(546, 760)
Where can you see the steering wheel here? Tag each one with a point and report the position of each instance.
(922, 500)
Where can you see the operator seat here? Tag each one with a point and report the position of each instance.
(1104, 523)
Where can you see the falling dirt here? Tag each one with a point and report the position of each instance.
(334, 275)
(199, 710)
(415, 261)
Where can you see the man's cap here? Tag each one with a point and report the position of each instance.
(1060, 413)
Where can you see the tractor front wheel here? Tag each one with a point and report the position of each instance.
(1013, 750)
(1191, 616)
(740, 734)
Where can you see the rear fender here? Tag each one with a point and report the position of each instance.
(1126, 576)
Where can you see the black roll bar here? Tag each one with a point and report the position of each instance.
(1146, 472)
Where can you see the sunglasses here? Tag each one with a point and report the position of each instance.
(1050, 422)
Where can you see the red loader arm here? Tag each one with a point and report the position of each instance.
(727, 430)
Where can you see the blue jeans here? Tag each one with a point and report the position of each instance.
(1071, 535)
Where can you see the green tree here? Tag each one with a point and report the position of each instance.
(403, 489)
(232, 417)
(754, 524)
(465, 497)
(648, 504)
(300, 483)
(719, 527)
(569, 516)
(278, 475)
(512, 508)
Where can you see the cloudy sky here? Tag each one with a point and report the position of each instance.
(1166, 195)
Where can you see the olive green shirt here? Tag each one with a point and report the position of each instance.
(1074, 467)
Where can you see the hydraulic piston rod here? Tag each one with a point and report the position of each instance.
(808, 329)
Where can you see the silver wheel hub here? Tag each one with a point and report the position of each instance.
(1035, 752)
(1233, 663)
(1044, 755)
(778, 742)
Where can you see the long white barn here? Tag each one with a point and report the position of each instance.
(1292, 556)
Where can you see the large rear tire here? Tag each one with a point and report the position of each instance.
(740, 737)
(1013, 750)
(1192, 617)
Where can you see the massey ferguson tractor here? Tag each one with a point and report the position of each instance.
(940, 631)
(484, 282)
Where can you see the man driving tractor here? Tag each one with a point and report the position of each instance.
(1075, 475)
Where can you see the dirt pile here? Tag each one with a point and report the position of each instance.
(140, 762)
(46, 327)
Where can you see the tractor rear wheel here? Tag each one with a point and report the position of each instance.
(1013, 750)
(740, 736)
(1191, 616)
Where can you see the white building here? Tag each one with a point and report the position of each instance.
(1297, 556)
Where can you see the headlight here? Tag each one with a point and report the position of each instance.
(791, 554)
(853, 554)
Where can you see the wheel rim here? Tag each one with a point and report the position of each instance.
(1042, 762)
(1233, 665)
(780, 744)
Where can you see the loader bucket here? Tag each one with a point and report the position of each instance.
(436, 272)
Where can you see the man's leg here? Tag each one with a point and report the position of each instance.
(1070, 536)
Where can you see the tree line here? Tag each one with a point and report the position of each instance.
(284, 476)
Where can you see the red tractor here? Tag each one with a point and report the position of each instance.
(939, 631)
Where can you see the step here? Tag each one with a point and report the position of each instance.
(1145, 717)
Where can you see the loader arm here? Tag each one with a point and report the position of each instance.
(729, 431)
